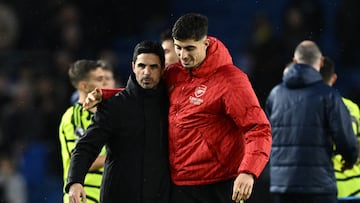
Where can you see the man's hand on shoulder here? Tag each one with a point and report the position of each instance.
(346, 165)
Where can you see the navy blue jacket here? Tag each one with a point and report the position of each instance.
(307, 118)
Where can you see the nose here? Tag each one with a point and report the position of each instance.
(183, 53)
(147, 70)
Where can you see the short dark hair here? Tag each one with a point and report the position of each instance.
(146, 47)
(190, 26)
(327, 70)
(80, 69)
(166, 35)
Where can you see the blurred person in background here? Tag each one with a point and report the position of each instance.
(348, 181)
(85, 75)
(12, 183)
(167, 42)
(109, 80)
(307, 118)
(9, 27)
(112, 60)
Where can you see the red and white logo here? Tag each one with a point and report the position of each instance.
(200, 91)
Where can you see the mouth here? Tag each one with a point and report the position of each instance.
(147, 80)
(185, 62)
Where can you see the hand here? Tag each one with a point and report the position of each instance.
(345, 165)
(243, 186)
(76, 191)
(93, 98)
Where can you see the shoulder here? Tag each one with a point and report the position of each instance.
(352, 106)
(231, 75)
(116, 103)
(348, 102)
(66, 117)
(275, 93)
(276, 89)
(67, 123)
(119, 98)
(172, 71)
(231, 71)
(331, 93)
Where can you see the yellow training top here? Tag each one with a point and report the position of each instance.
(348, 181)
(73, 124)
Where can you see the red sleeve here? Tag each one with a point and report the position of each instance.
(244, 108)
(107, 93)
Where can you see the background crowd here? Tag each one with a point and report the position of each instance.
(39, 39)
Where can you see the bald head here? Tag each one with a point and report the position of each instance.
(307, 52)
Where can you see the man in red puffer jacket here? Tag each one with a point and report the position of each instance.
(219, 137)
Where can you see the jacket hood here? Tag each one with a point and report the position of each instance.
(217, 55)
(301, 75)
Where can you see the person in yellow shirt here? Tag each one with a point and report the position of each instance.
(85, 75)
(348, 181)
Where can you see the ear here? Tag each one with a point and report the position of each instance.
(333, 79)
(294, 60)
(322, 62)
(132, 66)
(207, 42)
(82, 86)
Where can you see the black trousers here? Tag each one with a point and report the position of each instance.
(213, 193)
(304, 198)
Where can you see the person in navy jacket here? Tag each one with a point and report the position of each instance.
(307, 118)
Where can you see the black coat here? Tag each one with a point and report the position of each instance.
(307, 118)
(133, 126)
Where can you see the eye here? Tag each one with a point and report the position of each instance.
(155, 66)
(99, 79)
(141, 65)
(190, 48)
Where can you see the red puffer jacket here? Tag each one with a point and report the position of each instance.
(217, 128)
